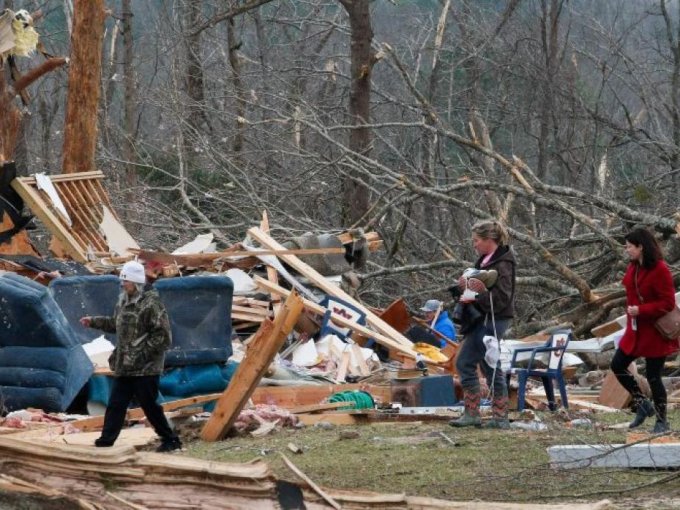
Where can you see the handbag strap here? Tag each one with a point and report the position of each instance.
(637, 268)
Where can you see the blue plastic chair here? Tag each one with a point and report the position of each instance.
(556, 346)
(344, 309)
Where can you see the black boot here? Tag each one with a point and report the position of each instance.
(661, 424)
(645, 409)
(169, 445)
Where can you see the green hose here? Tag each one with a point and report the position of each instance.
(361, 399)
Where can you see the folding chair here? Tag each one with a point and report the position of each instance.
(556, 346)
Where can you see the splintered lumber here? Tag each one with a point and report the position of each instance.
(261, 352)
(96, 422)
(386, 341)
(149, 480)
(608, 327)
(372, 238)
(329, 288)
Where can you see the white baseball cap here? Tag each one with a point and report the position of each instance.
(133, 271)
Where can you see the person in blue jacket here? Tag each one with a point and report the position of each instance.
(443, 323)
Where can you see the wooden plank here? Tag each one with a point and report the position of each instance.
(342, 321)
(35, 202)
(584, 404)
(295, 396)
(320, 407)
(344, 365)
(66, 177)
(247, 317)
(397, 315)
(612, 394)
(646, 437)
(250, 310)
(334, 418)
(261, 352)
(317, 279)
(363, 368)
(607, 328)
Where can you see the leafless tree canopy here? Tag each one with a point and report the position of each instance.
(414, 119)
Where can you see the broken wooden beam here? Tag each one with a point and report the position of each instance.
(329, 288)
(342, 321)
(261, 352)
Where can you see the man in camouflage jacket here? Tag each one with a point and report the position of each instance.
(143, 329)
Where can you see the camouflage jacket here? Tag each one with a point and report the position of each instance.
(143, 329)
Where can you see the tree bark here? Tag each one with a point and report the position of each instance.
(129, 121)
(80, 129)
(355, 193)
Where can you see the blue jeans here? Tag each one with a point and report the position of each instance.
(471, 356)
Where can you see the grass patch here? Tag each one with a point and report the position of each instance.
(509, 465)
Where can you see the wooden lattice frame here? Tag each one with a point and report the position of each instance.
(83, 196)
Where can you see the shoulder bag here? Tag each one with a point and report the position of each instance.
(669, 323)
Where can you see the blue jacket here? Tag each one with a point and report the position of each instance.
(445, 327)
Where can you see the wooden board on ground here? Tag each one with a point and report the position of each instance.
(612, 394)
(134, 436)
(261, 351)
(296, 396)
(637, 437)
(584, 404)
(316, 408)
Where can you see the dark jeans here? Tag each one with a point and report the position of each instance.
(145, 390)
(619, 366)
(471, 356)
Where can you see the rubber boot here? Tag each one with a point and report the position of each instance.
(471, 416)
(499, 408)
(645, 409)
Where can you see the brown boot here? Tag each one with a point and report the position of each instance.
(499, 408)
(471, 416)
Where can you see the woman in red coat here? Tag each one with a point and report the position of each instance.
(649, 295)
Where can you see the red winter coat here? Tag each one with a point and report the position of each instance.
(658, 297)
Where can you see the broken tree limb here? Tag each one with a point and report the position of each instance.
(341, 321)
(317, 279)
(261, 351)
